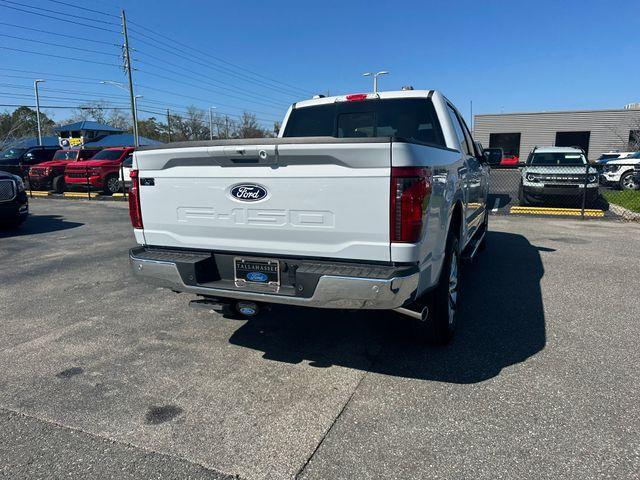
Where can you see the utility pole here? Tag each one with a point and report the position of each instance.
(226, 127)
(169, 125)
(127, 66)
(35, 86)
(211, 123)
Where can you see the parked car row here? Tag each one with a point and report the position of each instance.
(49, 168)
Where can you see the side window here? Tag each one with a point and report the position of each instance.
(470, 142)
(459, 131)
(128, 161)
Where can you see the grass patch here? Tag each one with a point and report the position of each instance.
(629, 199)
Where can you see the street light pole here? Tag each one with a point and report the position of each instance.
(211, 123)
(375, 78)
(134, 111)
(35, 87)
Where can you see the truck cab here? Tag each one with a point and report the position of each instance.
(364, 201)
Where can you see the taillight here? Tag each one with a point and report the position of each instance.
(134, 200)
(410, 192)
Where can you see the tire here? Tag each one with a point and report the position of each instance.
(15, 223)
(111, 184)
(627, 182)
(522, 200)
(58, 185)
(440, 327)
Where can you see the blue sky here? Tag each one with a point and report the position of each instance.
(503, 56)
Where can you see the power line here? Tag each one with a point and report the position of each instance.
(59, 19)
(208, 55)
(223, 84)
(93, 81)
(208, 64)
(60, 56)
(67, 14)
(60, 45)
(49, 74)
(60, 34)
(272, 105)
(75, 5)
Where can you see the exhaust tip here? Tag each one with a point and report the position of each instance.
(248, 309)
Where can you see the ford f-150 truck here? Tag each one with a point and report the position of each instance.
(364, 201)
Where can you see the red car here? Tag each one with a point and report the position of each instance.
(509, 160)
(50, 175)
(102, 172)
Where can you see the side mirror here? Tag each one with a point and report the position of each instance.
(492, 156)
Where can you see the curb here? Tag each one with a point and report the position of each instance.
(571, 212)
(77, 196)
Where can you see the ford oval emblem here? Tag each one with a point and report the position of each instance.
(257, 277)
(248, 192)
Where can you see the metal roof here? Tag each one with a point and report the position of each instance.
(118, 140)
(87, 125)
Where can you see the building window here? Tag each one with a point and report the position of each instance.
(508, 142)
(573, 139)
(634, 140)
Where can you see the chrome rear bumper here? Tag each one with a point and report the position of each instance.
(331, 291)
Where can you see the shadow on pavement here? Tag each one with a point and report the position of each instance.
(500, 323)
(36, 224)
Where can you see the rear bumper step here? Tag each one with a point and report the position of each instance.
(357, 286)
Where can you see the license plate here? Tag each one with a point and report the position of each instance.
(256, 271)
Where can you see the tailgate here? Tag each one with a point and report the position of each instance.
(328, 200)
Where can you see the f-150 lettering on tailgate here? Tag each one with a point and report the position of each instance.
(257, 216)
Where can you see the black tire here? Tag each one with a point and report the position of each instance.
(58, 185)
(440, 326)
(522, 200)
(111, 184)
(627, 182)
(15, 223)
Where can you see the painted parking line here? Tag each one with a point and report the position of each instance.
(81, 194)
(38, 193)
(556, 211)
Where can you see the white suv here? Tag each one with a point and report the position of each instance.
(619, 173)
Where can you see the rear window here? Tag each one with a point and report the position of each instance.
(412, 119)
(107, 155)
(555, 158)
(65, 155)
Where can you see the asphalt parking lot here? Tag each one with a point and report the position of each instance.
(103, 377)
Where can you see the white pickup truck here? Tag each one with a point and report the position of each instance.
(364, 201)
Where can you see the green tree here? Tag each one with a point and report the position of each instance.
(21, 123)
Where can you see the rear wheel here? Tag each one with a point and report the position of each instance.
(111, 184)
(58, 184)
(441, 324)
(627, 182)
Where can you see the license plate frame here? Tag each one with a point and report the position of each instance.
(243, 267)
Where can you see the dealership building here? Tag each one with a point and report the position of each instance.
(595, 131)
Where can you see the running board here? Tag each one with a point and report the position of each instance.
(472, 249)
